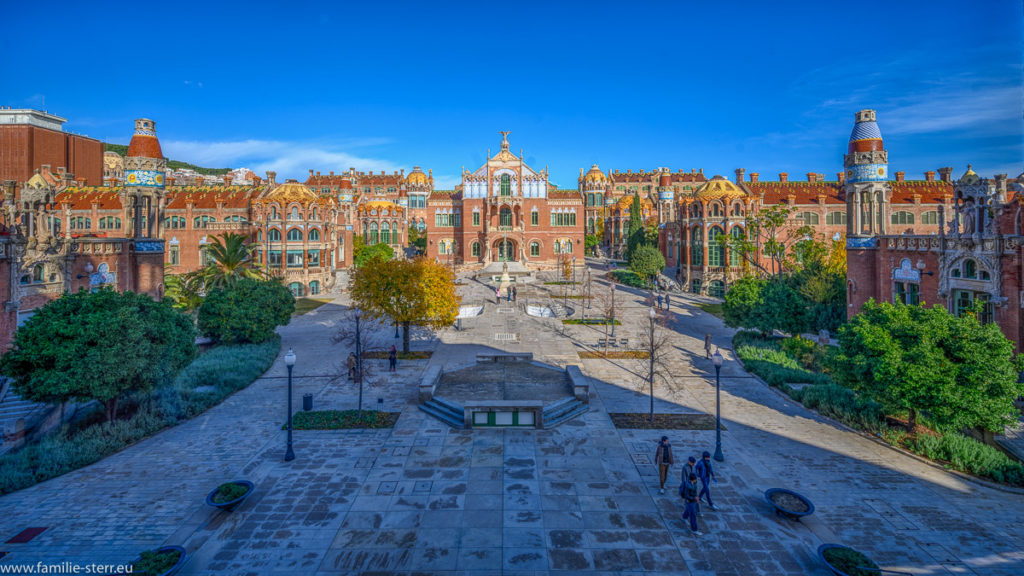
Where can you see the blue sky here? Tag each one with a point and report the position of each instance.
(767, 86)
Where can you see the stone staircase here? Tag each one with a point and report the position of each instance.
(445, 410)
(557, 309)
(17, 415)
(562, 411)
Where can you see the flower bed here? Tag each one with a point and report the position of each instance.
(410, 355)
(615, 355)
(642, 421)
(343, 420)
(591, 322)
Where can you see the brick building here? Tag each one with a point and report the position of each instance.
(504, 211)
(32, 139)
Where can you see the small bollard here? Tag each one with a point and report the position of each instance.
(307, 402)
(380, 404)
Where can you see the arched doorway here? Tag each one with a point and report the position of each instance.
(505, 251)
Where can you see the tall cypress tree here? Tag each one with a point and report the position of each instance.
(636, 237)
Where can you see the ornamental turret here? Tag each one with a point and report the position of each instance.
(867, 188)
(143, 193)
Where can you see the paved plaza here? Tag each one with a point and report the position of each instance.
(582, 498)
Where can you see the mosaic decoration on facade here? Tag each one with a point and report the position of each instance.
(855, 242)
(144, 178)
(150, 246)
(867, 173)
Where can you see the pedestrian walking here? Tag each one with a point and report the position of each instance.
(688, 491)
(497, 295)
(351, 362)
(515, 293)
(706, 474)
(689, 469)
(393, 359)
(707, 346)
(668, 301)
(508, 294)
(663, 460)
(660, 300)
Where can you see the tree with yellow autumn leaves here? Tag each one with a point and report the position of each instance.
(417, 292)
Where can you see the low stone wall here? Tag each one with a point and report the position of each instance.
(535, 406)
(580, 384)
(429, 383)
(505, 357)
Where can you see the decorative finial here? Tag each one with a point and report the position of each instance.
(504, 139)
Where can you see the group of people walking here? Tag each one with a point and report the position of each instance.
(693, 470)
(510, 294)
(353, 363)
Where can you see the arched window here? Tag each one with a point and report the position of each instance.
(735, 257)
(37, 273)
(590, 225)
(902, 217)
(836, 218)
(809, 218)
(505, 216)
(600, 199)
(314, 288)
(970, 269)
(716, 247)
(697, 247)
(737, 209)
(259, 235)
(314, 235)
(930, 217)
(295, 235)
(374, 237)
(385, 232)
(312, 217)
(273, 212)
(475, 249)
(534, 249)
(506, 185)
(295, 213)
(296, 288)
(274, 235)
(716, 289)
(715, 210)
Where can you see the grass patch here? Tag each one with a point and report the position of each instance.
(560, 283)
(713, 309)
(642, 421)
(343, 420)
(303, 305)
(629, 278)
(205, 382)
(410, 355)
(615, 354)
(591, 322)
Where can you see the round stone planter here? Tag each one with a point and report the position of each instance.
(173, 569)
(782, 510)
(230, 505)
(872, 568)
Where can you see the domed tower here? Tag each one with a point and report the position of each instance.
(666, 196)
(867, 178)
(143, 194)
(594, 187)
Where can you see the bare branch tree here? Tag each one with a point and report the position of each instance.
(371, 339)
(656, 341)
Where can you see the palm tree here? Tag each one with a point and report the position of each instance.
(183, 290)
(232, 259)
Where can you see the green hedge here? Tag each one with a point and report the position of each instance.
(629, 278)
(221, 371)
(776, 362)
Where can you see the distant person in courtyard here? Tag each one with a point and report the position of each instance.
(508, 294)
(663, 460)
(706, 474)
(351, 365)
(688, 468)
(660, 301)
(393, 359)
(497, 295)
(668, 301)
(707, 346)
(688, 491)
(515, 293)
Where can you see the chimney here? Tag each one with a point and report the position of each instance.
(1001, 184)
(812, 177)
(739, 175)
(900, 175)
(332, 172)
(310, 172)
(318, 174)
(783, 177)
(946, 173)
(841, 178)
(61, 171)
(272, 177)
(929, 176)
(754, 176)
(228, 178)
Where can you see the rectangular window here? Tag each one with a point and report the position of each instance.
(275, 258)
(314, 257)
(534, 248)
(205, 258)
(534, 218)
(174, 256)
(294, 258)
(476, 218)
(908, 293)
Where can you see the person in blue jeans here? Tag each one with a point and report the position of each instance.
(688, 491)
(706, 474)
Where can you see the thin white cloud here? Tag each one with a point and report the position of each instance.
(288, 159)
(995, 111)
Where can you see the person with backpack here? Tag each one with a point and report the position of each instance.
(706, 473)
(688, 492)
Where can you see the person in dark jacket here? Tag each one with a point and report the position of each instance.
(393, 359)
(706, 473)
(663, 459)
(688, 491)
(351, 362)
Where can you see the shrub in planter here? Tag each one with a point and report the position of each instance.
(229, 495)
(847, 561)
(163, 561)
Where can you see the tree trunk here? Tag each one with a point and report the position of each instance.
(911, 420)
(405, 337)
(110, 406)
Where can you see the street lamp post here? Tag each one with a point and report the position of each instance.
(289, 361)
(359, 365)
(717, 360)
(613, 310)
(574, 275)
(650, 365)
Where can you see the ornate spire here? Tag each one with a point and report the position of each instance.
(504, 139)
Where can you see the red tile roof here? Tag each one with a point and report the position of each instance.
(803, 192)
(83, 197)
(144, 146)
(564, 194)
(930, 192)
(207, 197)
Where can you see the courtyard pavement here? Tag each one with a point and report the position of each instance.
(581, 498)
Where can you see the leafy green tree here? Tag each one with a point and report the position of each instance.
(183, 291)
(366, 253)
(98, 346)
(770, 232)
(635, 235)
(591, 242)
(232, 256)
(246, 311)
(742, 299)
(417, 239)
(820, 278)
(646, 261)
(780, 308)
(959, 372)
